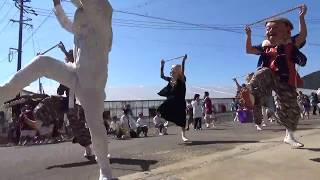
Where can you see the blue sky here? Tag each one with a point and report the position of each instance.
(215, 57)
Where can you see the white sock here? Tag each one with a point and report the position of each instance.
(183, 135)
(105, 174)
(88, 151)
(289, 139)
(258, 127)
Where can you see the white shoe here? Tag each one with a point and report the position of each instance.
(258, 128)
(184, 139)
(105, 174)
(207, 125)
(294, 143)
(160, 134)
(88, 154)
(264, 125)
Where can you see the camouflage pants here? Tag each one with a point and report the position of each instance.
(262, 84)
(51, 110)
(77, 122)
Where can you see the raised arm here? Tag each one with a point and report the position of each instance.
(301, 38)
(162, 73)
(68, 55)
(238, 85)
(249, 48)
(65, 22)
(183, 63)
(63, 48)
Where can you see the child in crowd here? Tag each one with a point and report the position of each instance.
(142, 125)
(197, 112)
(160, 124)
(209, 116)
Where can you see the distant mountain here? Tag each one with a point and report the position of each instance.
(312, 80)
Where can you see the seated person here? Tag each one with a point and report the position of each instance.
(142, 125)
(160, 124)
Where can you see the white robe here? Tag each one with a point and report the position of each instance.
(87, 78)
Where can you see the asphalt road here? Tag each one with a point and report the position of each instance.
(65, 161)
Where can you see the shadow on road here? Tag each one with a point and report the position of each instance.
(311, 149)
(71, 165)
(279, 130)
(144, 164)
(197, 143)
(316, 160)
(213, 129)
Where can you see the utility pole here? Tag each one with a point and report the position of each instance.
(20, 36)
(23, 9)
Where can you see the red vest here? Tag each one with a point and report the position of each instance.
(294, 77)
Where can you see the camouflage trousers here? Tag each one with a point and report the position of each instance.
(262, 84)
(77, 122)
(51, 110)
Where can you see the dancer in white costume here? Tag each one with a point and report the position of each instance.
(87, 78)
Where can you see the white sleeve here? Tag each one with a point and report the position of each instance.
(65, 22)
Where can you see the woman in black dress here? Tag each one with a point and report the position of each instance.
(173, 109)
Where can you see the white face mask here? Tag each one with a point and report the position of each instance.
(77, 3)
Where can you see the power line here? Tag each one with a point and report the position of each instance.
(5, 26)
(7, 13)
(180, 22)
(141, 5)
(2, 5)
(44, 20)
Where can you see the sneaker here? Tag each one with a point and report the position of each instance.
(293, 142)
(89, 156)
(264, 125)
(184, 139)
(105, 174)
(160, 134)
(258, 128)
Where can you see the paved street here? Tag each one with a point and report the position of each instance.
(66, 161)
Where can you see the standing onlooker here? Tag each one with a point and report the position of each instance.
(314, 102)
(208, 110)
(306, 106)
(142, 125)
(300, 98)
(197, 112)
(234, 108)
(189, 114)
